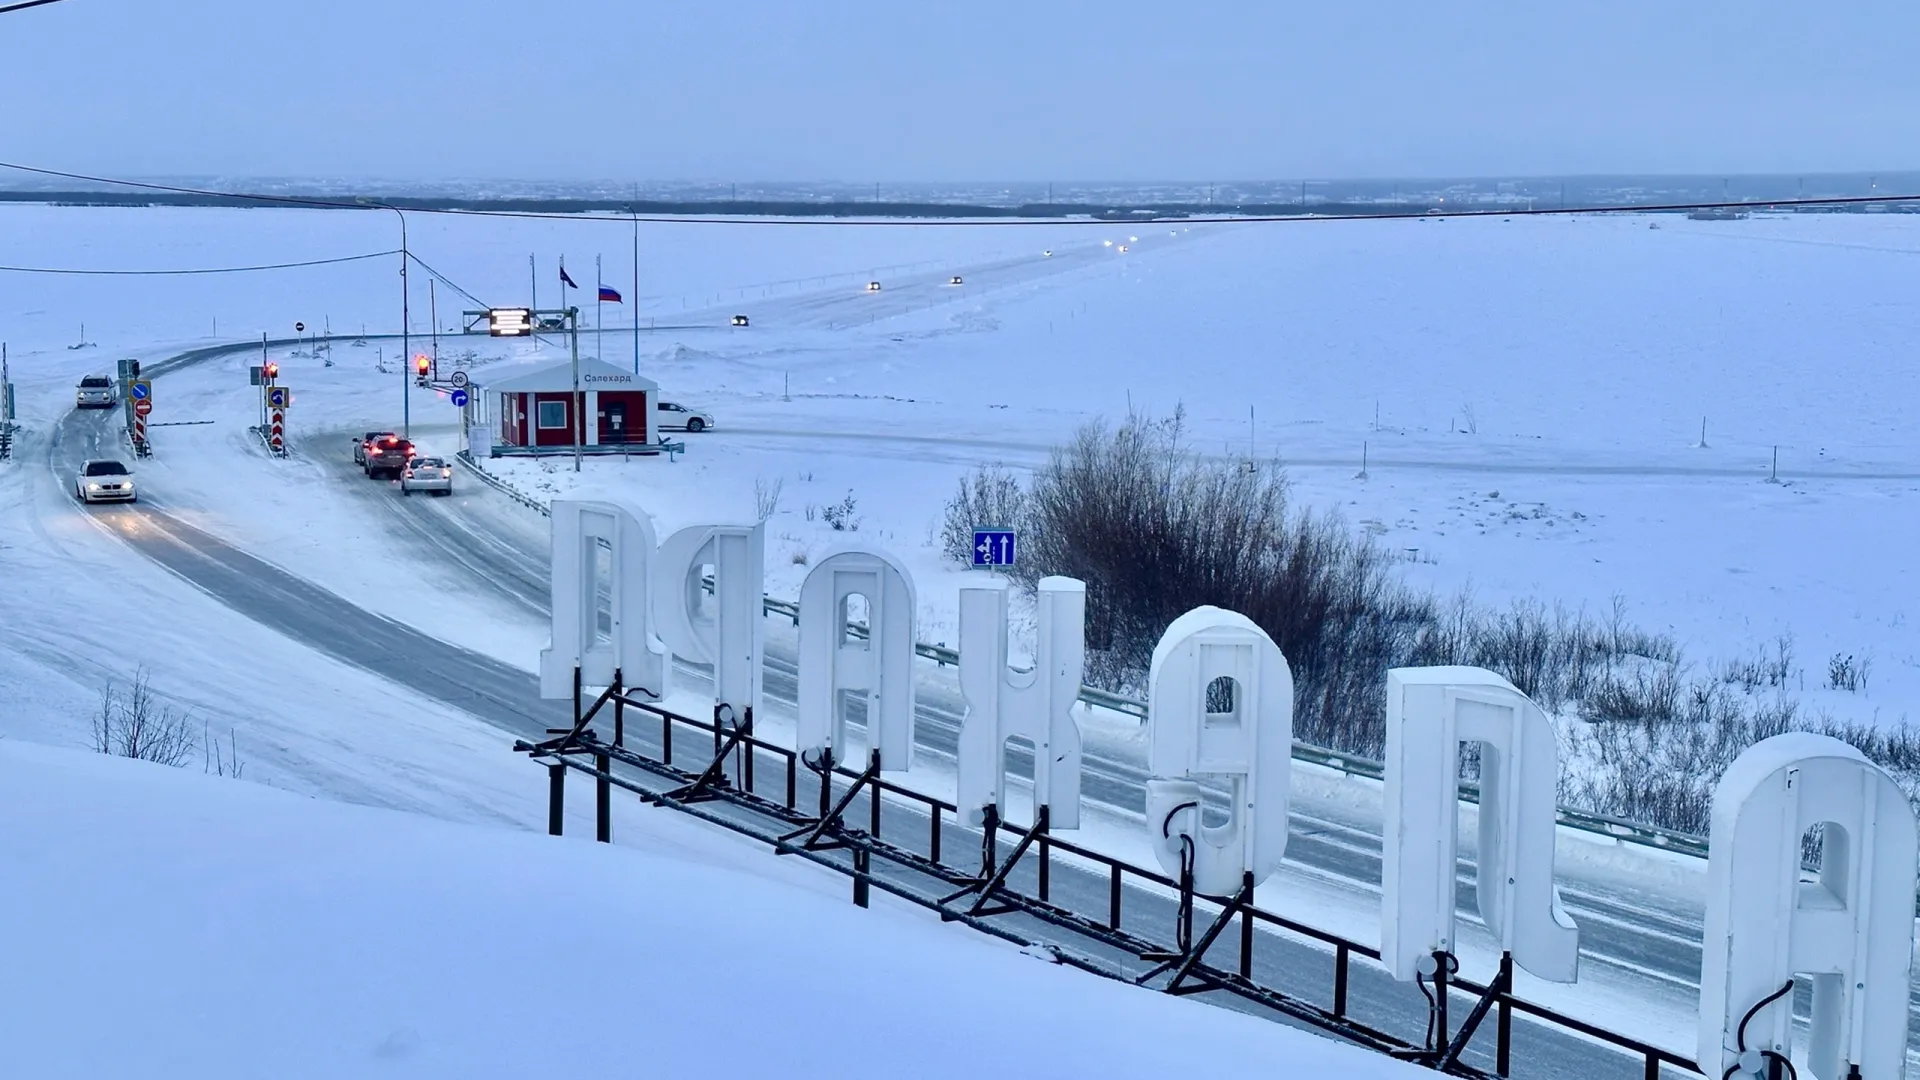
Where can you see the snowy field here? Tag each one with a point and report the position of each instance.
(1529, 392)
(275, 935)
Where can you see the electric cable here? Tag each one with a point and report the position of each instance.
(198, 270)
(1740, 1034)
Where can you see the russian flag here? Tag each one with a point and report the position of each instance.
(608, 296)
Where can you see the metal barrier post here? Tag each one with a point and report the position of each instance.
(556, 798)
(603, 799)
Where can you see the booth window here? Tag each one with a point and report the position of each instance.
(553, 415)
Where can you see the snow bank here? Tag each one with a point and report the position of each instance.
(166, 924)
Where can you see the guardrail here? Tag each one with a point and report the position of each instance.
(1586, 821)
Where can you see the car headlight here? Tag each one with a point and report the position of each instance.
(91, 486)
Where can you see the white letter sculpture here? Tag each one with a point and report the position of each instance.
(1036, 705)
(1850, 933)
(733, 639)
(1430, 711)
(580, 527)
(833, 660)
(1221, 709)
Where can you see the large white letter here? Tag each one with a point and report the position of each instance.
(1430, 711)
(834, 660)
(1221, 700)
(1850, 933)
(732, 640)
(581, 527)
(1036, 705)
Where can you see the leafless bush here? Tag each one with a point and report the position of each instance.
(1663, 771)
(766, 497)
(134, 723)
(991, 497)
(1155, 531)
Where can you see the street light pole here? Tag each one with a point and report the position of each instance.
(579, 420)
(406, 345)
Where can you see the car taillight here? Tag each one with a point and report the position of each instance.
(447, 473)
(374, 450)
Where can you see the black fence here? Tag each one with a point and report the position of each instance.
(1076, 906)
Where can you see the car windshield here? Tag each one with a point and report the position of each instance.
(106, 468)
(95, 382)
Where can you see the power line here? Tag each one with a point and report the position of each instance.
(444, 279)
(1211, 219)
(197, 270)
(25, 4)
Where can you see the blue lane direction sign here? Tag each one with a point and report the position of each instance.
(140, 390)
(459, 398)
(279, 397)
(993, 547)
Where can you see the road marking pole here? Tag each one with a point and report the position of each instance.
(277, 432)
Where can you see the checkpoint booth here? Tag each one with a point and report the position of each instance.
(536, 409)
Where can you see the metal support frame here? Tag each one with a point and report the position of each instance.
(921, 878)
(1187, 955)
(707, 785)
(993, 873)
(830, 818)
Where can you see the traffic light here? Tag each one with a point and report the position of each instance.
(420, 366)
(272, 372)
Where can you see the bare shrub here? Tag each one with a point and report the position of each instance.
(988, 498)
(766, 497)
(216, 761)
(134, 723)
(1155, 532)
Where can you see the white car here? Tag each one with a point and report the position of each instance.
(427, 474)
(673, 416)
(94, 392)
(104, 481)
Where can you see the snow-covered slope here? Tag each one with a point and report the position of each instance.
(165, 925)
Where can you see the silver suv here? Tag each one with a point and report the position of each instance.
(95, 392)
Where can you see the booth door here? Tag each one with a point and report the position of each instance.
(614, 429)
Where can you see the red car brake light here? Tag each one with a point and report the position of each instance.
(374, 450)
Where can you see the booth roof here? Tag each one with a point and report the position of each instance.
(558, 378)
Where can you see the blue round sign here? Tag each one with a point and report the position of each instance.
(459, 399)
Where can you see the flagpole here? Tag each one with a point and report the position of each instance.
(573, 327)
(633, 302)
(599, 350)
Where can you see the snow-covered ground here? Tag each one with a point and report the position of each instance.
(184, 926)
(1587, 350)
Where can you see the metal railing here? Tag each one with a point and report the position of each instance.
(1587, 821)
(725, 791)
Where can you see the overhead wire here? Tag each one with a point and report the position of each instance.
(197, 270)
(24, 4)
(836, 222)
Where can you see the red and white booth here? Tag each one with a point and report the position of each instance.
(537, 407)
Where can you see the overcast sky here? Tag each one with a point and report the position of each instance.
(931, 90)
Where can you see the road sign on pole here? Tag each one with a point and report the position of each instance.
(142, 407)
(459, 399)
(276, 432)
(140, 390)
(993, 547)
(279, 397)
(299, 328)
(458, 379)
